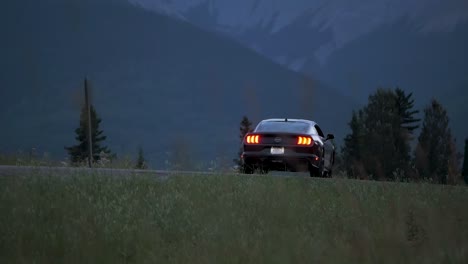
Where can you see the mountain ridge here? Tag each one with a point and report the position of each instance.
(384, 46)
(156, 82)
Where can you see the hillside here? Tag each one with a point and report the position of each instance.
(156, 81)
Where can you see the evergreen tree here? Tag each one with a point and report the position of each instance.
(454, 173)
(378, 144)
(435, 152)
(141, 162)
(244, 128)
(353, 144)
(382, 124)
(408, 123)
(405, 105)
(465, 162)
(79, 153)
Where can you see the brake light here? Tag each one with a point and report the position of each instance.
(307, 141)
(253, 139)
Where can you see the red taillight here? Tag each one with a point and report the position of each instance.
(306, 141)
(253, 139)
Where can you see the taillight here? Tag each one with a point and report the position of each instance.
(253, 139)
(306, 141)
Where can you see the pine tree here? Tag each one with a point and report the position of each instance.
(408, 123)
(378, 144)
(383, 136)
(79, 153)
(453, 163)
(353, 144)
(141, 162)
(405, 104)
(465, 163)
(435, 151)
(244, 128)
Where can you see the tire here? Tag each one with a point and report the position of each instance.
(315, 172)
(318, 172)
(263, 170)
(248, 168)
(327, 174)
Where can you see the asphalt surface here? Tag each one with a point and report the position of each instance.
(6, 170)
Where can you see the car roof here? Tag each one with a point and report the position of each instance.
(310, 122)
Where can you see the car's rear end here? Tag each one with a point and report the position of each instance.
(281, 147)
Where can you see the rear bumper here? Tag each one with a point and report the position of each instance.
(281, 162)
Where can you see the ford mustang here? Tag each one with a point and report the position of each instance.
(288, 145)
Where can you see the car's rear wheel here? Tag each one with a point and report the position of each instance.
(327, 174)
(315, 172)
(263, 169)
(319, 171)
(248, 168)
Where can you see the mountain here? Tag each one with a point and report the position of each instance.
(156, 81)
(431, 65)
(322, 26)
(355, 47)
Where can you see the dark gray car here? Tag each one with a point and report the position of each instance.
(288, 145)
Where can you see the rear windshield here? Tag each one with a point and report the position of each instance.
(281, 126)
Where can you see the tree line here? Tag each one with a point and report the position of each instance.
(378, 147)
(379, 144)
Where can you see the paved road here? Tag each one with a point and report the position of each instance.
(162, 174)
(41, 170)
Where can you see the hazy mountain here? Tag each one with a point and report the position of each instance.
(432, 65)
(355, 47)
(156, 81)
(330, 23)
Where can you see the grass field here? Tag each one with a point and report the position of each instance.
(229, 219)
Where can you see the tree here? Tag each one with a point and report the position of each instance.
(353, 144)
(454, 173)
(405, 104)
(244, 128)
(407, 124)
(141, 162)
(465, 162)
(79, 153)
(378, 144)
(435, 152)
(383, 130)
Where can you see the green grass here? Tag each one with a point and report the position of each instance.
(35, 160)
(28, 159)
(229, 219)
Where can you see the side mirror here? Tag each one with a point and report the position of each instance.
(330, 136)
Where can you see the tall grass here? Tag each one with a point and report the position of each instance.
(82, 218)
(29, 158)
(34, 159)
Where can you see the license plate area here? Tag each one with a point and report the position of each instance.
(277, 150)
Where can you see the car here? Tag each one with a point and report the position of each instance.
(282, 144)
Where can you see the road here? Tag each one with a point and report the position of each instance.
(6, 170)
